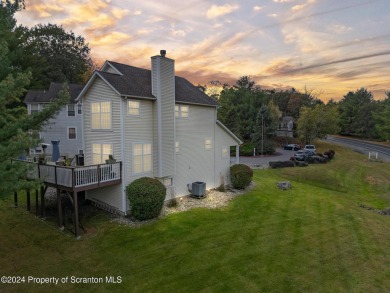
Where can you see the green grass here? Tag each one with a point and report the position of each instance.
(312, 238)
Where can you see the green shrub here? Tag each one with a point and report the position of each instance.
(146, 196)
(241, 175)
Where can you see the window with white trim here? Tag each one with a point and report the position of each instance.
(101, 115)
(142, 157)
(71, 110)
(177, 146)
(100, 152)
(133, 107)
(182, 111)
(34, 108)
(71, 132)
(207, 144)
(79, 109)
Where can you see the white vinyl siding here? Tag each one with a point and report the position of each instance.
(142, 158)
(101, 115)
(56, 129)
(139, 130)
(194, 163)
(163, 88)
(223, 141)
(133, 108)
(100, 152)
(100, 92)
(177, 147)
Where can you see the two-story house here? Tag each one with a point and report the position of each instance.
(65, 127)
(158, 124)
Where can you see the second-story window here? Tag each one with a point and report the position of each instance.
(181, 111)
(79, 109)
(101, 115)
(133, 108)
(34, 109)
(71, 110)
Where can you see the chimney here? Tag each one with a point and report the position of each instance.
(163, 88)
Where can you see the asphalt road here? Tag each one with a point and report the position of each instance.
(363, 146)
(355, 144)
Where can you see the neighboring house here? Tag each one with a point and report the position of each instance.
(158, 124)
(65, 127)
(286, 126)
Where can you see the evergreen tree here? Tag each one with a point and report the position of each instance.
(14, 121)
(382, 119)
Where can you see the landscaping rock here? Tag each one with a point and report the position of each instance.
(284, 185)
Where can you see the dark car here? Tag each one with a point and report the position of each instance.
(292, 147)
(303, 155)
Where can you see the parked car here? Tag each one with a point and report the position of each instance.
(303, 155)
(310, 147)
(292, 147)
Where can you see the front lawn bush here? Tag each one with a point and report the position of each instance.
(146, 196)
(241, 176)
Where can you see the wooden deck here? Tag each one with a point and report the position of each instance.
(72, 180)
(77, 178)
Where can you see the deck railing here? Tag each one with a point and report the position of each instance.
(77, 178)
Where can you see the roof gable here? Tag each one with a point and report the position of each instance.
(137, 82)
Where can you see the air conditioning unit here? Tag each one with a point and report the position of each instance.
(198, 189)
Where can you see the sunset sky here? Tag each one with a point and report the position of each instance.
(329, 46)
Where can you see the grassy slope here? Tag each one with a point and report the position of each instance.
(313, 238)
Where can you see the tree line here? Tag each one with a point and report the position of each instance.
(31, 58)
(254, 114)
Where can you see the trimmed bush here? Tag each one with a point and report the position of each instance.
(241, 176)
(146, 196)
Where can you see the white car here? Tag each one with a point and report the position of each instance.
(310, 147)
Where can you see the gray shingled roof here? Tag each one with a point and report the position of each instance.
(39, 96)
(137, 82)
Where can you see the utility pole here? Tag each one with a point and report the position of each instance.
(262, 134)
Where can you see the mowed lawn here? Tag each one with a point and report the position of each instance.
(312, 238)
